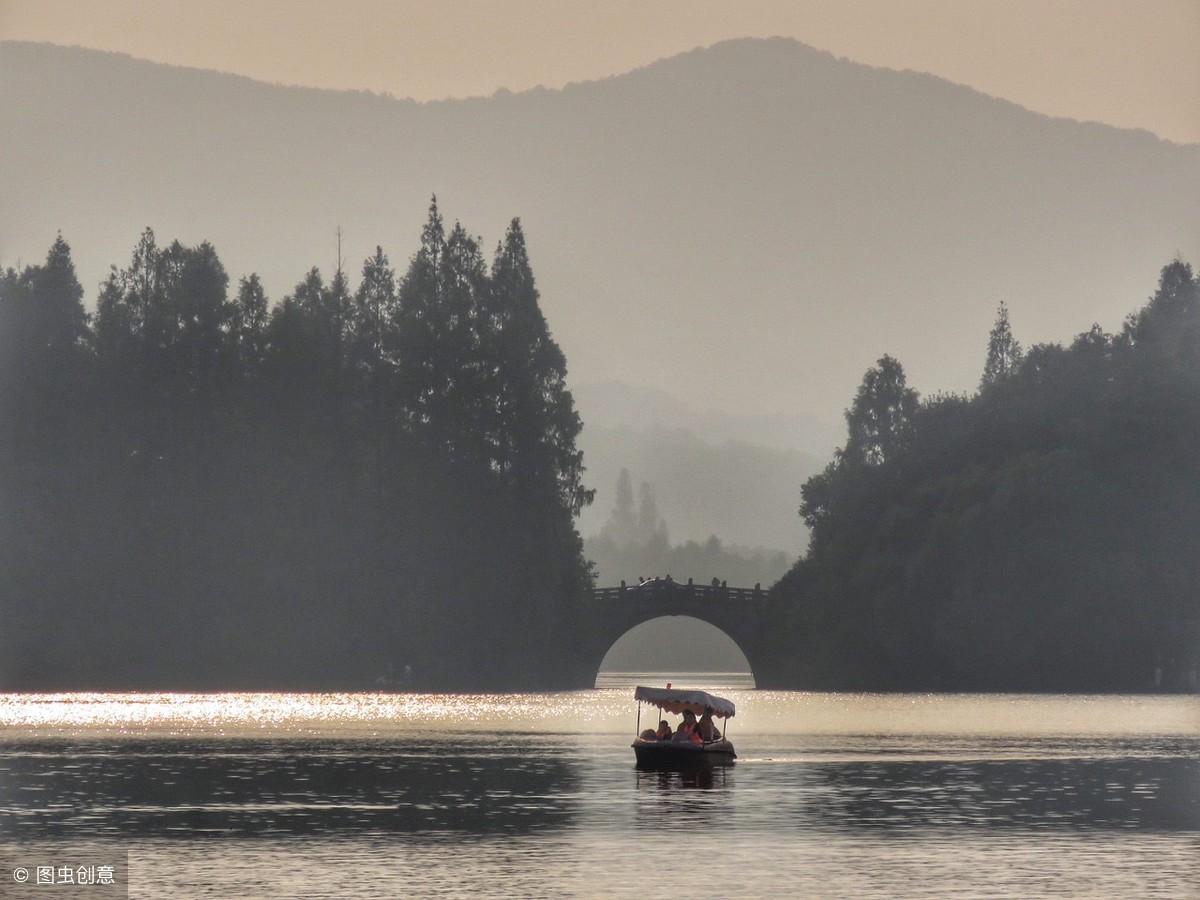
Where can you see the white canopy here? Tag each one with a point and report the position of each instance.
(676, 701)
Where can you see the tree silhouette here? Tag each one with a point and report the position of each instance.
(880, 419)
(539, 418)
(1032, 538)
(307, 495)
(1004, 352)
(650, 525)
(622, 521)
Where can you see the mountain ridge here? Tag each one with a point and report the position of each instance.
(746, 226)
(503, 92)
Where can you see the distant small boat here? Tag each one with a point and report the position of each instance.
(675, 753)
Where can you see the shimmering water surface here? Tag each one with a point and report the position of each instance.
(529, 795)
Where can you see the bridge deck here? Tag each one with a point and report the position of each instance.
(658, 590)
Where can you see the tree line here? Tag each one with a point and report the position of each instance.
(354, 485)
(1039, 534)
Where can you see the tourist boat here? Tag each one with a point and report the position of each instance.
(672, 754)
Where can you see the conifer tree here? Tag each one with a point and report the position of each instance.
(421, 327)
(652, 528)
(131, 335)
(45, 348)
(372, 319)
(336, 304)
(124, 311)
(372, 354)
(1004, 352)
(251, 315)
(202, 314)
(465, 357)
(58, 320)
(621, 526)
(540, 421)
(308, 353)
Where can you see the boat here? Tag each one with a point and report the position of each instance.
(683, 754)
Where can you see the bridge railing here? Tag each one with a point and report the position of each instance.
(659, 589)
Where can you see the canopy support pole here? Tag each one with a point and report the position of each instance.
(638, 730)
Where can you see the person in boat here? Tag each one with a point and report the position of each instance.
(664, 731)
(706, 727)
(648, 734)
(687, 728)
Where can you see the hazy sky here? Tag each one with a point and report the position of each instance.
(1132, 63)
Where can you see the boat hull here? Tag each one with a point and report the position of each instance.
(680, 755)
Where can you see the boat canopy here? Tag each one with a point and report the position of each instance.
(676, 701)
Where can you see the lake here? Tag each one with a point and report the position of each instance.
(536, 795)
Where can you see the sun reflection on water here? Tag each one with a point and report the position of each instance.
(299, 713)
(249, 794)
(607, 710)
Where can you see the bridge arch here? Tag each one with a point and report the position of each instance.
(674, 645)
(745, 615)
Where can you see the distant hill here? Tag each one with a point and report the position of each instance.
(613, 404)
(746, 226)
(744, 493)
(732, 475)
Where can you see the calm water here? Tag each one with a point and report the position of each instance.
(529, 795)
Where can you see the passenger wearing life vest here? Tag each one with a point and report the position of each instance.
(687, 728)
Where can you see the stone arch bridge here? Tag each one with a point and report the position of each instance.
(749, 616)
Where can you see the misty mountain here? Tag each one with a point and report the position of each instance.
(613, 404)
(747, 226)
(746, 494)
(727, 474)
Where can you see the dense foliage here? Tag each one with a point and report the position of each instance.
(202, 490)
(1042, 534)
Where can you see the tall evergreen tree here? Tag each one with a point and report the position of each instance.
(251, 315)
(203, 319)
(465, 359)
(621, 527)
(58, 321)
(336, 316)
(373, 356)
(422, 325)
(306, 365)
(45, 346)
(651, 526)
(540, 421)
(373, 341)
(131, 337)
(1004, 352)
(125, 316)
